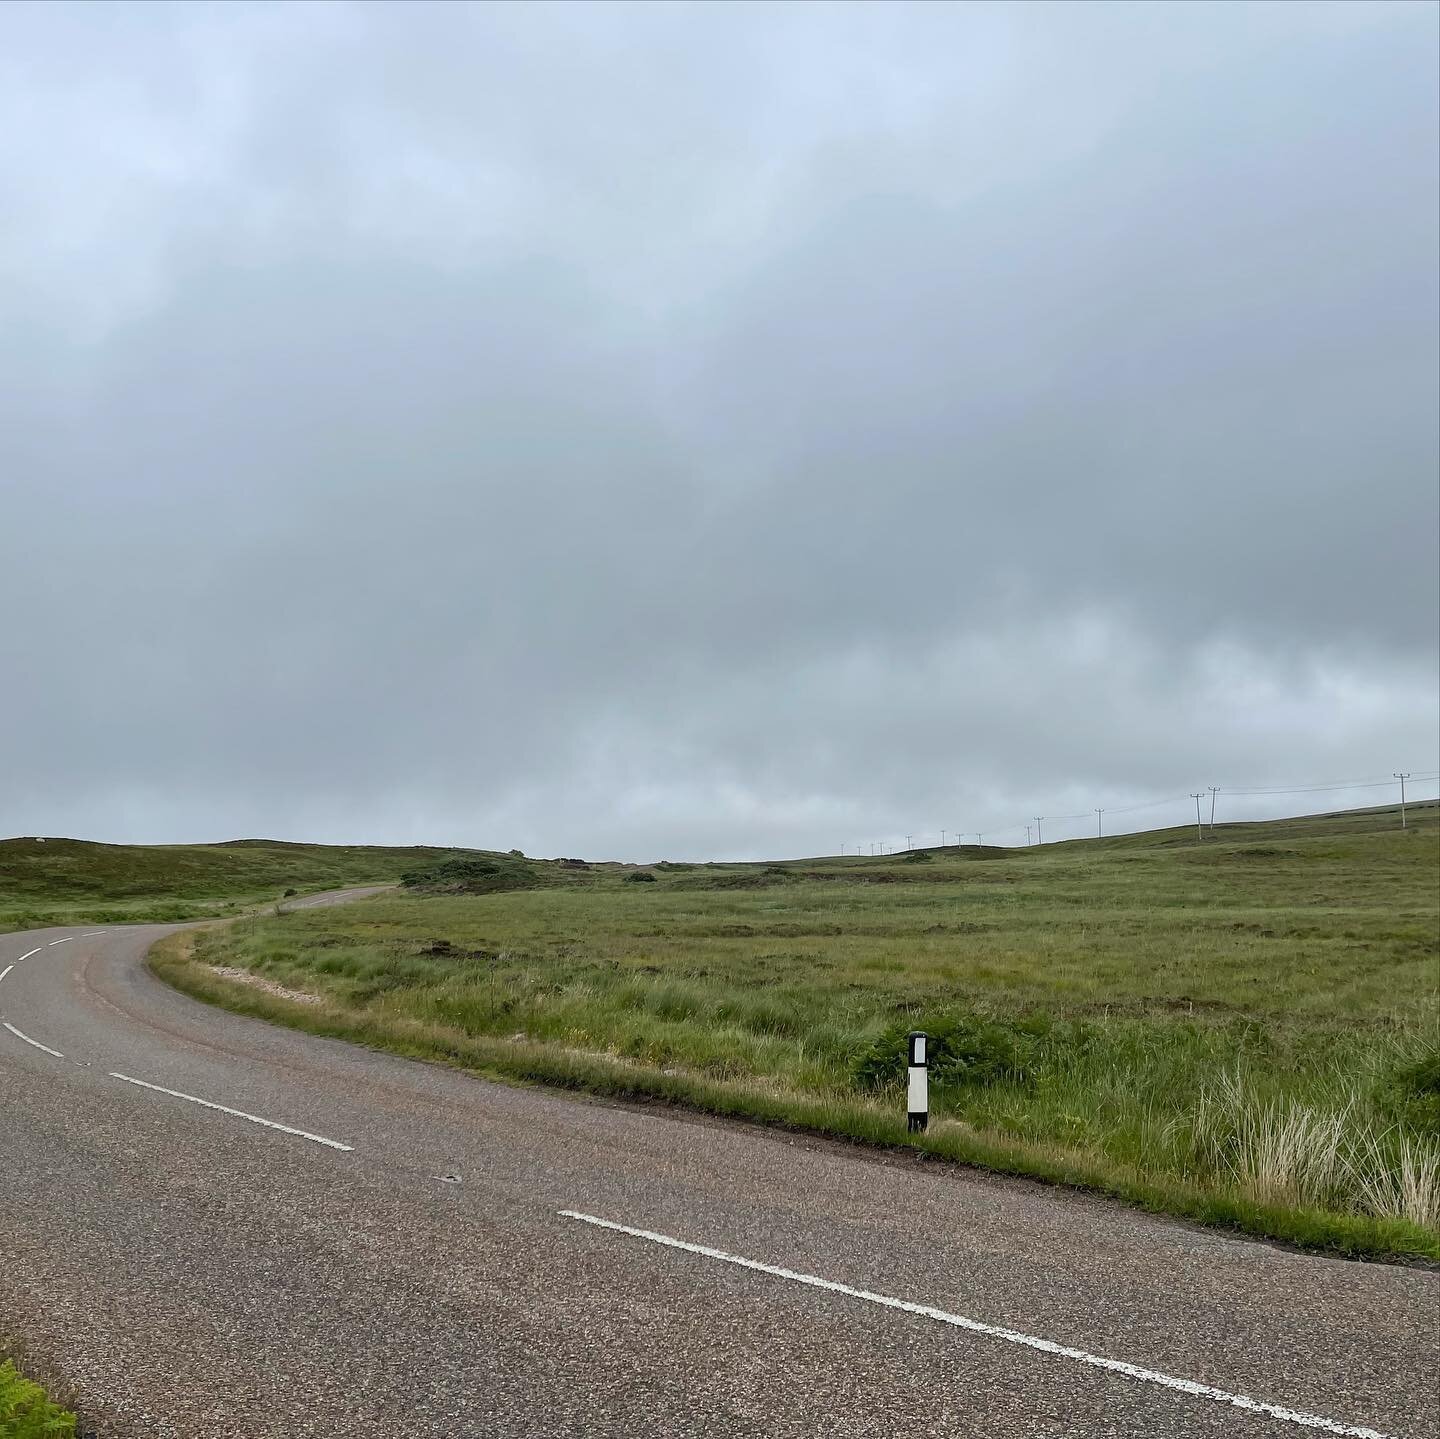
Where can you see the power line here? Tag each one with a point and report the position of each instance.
(1314, 788)
(1035, 833)
(1147, 804)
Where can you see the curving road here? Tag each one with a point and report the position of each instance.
(214, 1227)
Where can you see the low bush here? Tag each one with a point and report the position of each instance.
(1411, 1088)
(471, 874)
(964, 1049)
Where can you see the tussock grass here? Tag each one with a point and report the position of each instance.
(1242, 1031)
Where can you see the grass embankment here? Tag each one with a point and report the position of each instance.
(1241, 1031)
(69, 881)
(26, 1412)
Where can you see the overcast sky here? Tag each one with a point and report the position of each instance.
(711, 430)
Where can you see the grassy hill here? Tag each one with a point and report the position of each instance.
(71, 881)
(1241, 1028)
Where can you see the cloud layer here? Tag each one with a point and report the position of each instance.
(699, 430)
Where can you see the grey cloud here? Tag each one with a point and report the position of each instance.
(692, 430)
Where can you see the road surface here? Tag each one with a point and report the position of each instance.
(215, 1227)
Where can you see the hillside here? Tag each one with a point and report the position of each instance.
(65, 881)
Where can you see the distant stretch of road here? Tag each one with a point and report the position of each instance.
(214, 1227)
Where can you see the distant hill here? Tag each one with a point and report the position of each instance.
(61, 881)
(57, 881)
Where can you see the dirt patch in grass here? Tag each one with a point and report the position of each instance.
(257, 981)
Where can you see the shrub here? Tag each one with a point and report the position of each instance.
(1411, 1089)
(965, 1049)
(471, 874)
(640, 876)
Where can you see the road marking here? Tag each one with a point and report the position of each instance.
(29, 952)
(6, 970)
(1012, 1336)
(28, 1040)
(238, 1113)
(66, 940)
(93, 933)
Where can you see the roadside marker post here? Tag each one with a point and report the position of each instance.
(918, 1100)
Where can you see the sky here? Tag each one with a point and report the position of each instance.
(704, 431)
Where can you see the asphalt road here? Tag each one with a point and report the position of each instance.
(193, 1272)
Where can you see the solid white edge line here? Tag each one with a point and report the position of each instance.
(238, 1113)
(1012, 1336)
(66, 940)
(28, 1040)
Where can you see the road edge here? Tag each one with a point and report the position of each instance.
(526, 1063)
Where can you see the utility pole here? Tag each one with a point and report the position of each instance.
(1214, 790)
(1402, 778)
(1099, 824)
(908, 844)
(943, 833)
(1195, 795)
(1039, 835)
(1028, 828)
(980, 839)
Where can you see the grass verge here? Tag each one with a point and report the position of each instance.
(27, 1412)
(1237, 1033)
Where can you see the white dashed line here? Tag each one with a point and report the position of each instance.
(6, 970)
(29, 952)
(66, 940)
(238, 1113)
(1011, 1336)
(35, 1042)
(93, 933)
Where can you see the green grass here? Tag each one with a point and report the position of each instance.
(69, 881)
(25, 1410)
(1242, 1030)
